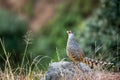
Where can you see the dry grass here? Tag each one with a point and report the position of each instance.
(92, 75)
(23, 72)
(6, 75)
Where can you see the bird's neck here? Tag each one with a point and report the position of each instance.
(71, 39)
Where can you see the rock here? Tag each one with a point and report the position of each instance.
(66, 70)
(77, 71)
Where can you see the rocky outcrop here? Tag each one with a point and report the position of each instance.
(66, 71)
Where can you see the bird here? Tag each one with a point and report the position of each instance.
(76, 54)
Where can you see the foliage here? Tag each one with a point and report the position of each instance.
(12, 30)
(101, 35)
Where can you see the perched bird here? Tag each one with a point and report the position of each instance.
(76, 54)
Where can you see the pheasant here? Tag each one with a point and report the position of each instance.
(75, 53)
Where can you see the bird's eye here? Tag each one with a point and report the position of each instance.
(69, 32)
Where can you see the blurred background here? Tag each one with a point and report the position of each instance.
(95, 23)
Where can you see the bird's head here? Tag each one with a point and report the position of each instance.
(70, 34)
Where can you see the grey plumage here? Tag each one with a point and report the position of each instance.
(74, 52)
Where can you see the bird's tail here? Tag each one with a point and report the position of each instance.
(96, 63)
